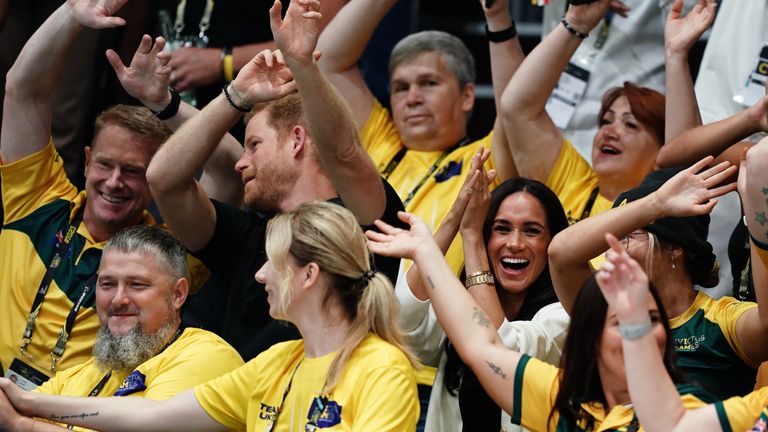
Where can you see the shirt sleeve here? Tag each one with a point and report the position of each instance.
(535, 388)
(32, 181)
(225, 398)
(742, 413)
(728, 311)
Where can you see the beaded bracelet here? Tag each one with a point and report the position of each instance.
(573, 30)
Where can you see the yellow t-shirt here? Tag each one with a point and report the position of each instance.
(377, 391)
(748, 413)
(436, 196)
(574, 182)
(535, 388)
(39, 203)
(196, 357)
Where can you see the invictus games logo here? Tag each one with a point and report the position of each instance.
(689, 344)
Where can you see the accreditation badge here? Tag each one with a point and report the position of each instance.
(25, 376)
(133, 383)
(754, 86)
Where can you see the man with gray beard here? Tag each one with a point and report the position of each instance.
(141, 350)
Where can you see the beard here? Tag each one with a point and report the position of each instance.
(127, 351)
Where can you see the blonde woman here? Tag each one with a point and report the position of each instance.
(351, 371)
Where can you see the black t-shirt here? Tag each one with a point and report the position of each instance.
(234, 254)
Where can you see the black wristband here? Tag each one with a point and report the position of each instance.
(242, 109)
(758, 244)
(572, 30)
(501, 35)
(172, 108)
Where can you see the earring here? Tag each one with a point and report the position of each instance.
(673, 262)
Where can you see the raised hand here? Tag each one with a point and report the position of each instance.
(680, 33)
(97, 13)
(623, 283)
(296, 35)
(397, 242)
(265, 78)
(477, 194)
(586, 16)
(692, 193)
(195, 67)
(148, 76)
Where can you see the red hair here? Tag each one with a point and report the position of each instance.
(647, 105)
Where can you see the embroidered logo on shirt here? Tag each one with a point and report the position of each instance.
(689, 344)
(451, 169)
(131, 384)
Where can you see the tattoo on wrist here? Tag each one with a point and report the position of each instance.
(480, 317)
(431, 285)
(73, 416)
(497, 370)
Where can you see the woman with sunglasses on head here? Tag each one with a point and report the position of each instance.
(351, 371)
(588, 392)
(505, 235)
(623, 284)
(663, 224)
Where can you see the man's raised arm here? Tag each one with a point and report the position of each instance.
(342, 43)
(171, 175)
(147, 78)
(31, 81)
(330, 122)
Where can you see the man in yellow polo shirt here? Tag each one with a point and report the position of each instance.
(52, 236)
(141, 350)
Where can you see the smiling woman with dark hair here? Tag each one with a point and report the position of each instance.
(506, 269)
(589, 391)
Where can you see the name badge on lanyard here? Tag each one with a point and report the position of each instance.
(25, 376)
(572, 84)
(754, 87)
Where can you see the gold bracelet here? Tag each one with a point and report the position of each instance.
(479, 278)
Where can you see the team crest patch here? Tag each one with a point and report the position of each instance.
(451, 169)
(323, 413)
(131, 384)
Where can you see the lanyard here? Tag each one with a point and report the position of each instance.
(318, 404)
(61, 253)
(590, 203)
(399, 157)
(205, 21)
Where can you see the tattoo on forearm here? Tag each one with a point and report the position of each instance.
(497, 370)
(480, 317)
(73, 416)
(760, 218)
(431, 285)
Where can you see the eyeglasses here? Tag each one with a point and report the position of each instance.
(638, 235)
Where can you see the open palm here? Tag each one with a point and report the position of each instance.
(97, 13)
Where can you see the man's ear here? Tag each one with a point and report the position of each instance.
(468, 98)
(179, 292)
(299, 138)
(87, 150)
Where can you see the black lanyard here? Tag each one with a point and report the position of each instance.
(61, 253)
(590, 203)
(401, 154)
